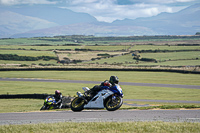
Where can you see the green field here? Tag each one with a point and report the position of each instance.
(28, 53)
(39, 48)
(169, 59)
(32, 41)
(172, 55)
(8, 63)
(164, 47)
(108, 48)
(178, 50)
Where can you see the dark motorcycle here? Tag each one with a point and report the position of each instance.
(49, 103)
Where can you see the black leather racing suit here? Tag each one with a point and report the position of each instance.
(58, 99)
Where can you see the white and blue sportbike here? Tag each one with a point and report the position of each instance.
(109, 98)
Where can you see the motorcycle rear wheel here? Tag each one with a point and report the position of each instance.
(112, 105)
(77, 104)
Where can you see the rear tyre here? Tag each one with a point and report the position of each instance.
(77, 104)
(112, 105)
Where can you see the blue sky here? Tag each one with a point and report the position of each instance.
(110, 10)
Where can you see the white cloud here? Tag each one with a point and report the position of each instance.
(174, 1)
(17, 2)
(161, 1)
(108, 10)
(74, 2)
(78, 2)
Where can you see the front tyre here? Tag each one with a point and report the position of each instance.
(43, 108)
(77, 104)
(113, 104)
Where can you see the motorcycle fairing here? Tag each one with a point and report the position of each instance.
(98, 100)
(117, 90)
(50, 100)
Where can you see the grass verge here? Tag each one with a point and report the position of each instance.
(28, 105)
(20, 105)
(106, 127)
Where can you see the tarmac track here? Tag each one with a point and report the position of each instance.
(103, 115)
(100, 116)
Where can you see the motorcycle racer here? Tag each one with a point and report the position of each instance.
(58, 98)
(104, 85)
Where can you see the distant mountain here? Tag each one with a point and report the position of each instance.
(28, 18)
(54, 14)
(96, 29)
(13, 23)
(43, 21)
(186, 21)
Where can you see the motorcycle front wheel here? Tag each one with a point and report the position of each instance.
(112, 105)
(77, 104)
(43, 108)
(46, 107)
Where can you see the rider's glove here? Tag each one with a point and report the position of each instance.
(106, 83)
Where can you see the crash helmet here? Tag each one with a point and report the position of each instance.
(57, 93)
(114, 80)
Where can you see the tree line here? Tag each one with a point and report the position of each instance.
(82, 38)
(15, 57)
